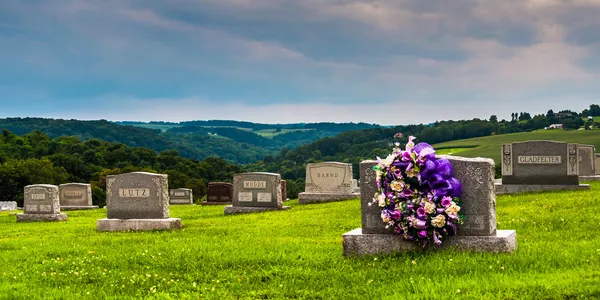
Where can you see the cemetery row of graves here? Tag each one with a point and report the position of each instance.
(140, 201)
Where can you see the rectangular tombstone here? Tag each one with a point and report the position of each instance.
(478, 198)
(283, 190)
(137, 195)
(597, 163)
(75, 194)
(587, 160)
(219, 192)
(540, 163)
(257, 189)
(181, 196)
(8, 205)
(41, 199)
(329, 177)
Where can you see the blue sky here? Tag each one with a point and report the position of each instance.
(386, 62)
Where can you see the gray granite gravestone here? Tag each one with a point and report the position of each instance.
(181, 196)
(76, 196)
(355, 186)
(539, 166)
(41, 203)
(219, 193)
(328, 181)
(284, 190)
(587, 163)
(256, 192)
(478, 233)
(8, 205)
(597, 163)
(137, 201)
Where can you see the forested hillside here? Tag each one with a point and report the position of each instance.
(35, 158)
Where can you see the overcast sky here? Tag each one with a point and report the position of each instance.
(386, 62)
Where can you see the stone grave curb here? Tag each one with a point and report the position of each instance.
(42, 217)
(138, 224)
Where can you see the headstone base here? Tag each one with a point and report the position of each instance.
(41, 217)
(138, 224)
(305, 198)
(356, 243)
(589, 178)
(8, 205)
(503, 189)
(181, 203)
(230, 209)
(79, 207)
(216, 203)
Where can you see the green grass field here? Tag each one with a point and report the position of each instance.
(269, 133)
(162, 127)
(298, 254)
(490, 146)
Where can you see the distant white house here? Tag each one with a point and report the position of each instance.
(555, 126)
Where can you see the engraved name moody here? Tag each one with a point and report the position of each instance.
(539, 159)
(139, 193)
(255, 184)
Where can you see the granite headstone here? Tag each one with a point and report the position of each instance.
(181, 196)
(328, 181)
(137, 201)
(255, 192)
(41, 203)
(219, 193)
(587, 160)
(76, 196)
(478, 199)
(539, 166)
(283, 190)
(8, 205)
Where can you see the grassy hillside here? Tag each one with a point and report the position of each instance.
(490, 146)
(298, 254)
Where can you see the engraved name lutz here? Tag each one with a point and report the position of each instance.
(255, 184)
(38, 196)
(539, 159)
(137, 193)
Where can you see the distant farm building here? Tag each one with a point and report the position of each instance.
(555, 126)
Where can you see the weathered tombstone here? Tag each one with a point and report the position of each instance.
(328, 181)
(587, 163)
(8, 205)
(355, 186)
(284, 190)
(256, 192)
(76, 196)
(478, 233)
(219, 193)
(539, 166)
(41, 203)
(598, 163)
(137, 201)
(181, 196)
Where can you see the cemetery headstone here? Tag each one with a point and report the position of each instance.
(597, 163)
(478, 233)
(8, 205)
(539, 166)
(137, 201)
(587, 163)
(256, 192)
(355, 186)
(41, 203)
(181, 196)
(284, 190)
(76, 196)
(328, 181)
(219, 193)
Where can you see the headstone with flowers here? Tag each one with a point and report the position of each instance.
(414, 199)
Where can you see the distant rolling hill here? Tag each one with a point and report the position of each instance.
(490, 146)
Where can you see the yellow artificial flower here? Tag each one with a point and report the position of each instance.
(439, 221)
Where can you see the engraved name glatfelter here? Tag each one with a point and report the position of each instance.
(539, 159)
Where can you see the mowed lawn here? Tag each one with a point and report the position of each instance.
(490, 146)
(297, 254)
